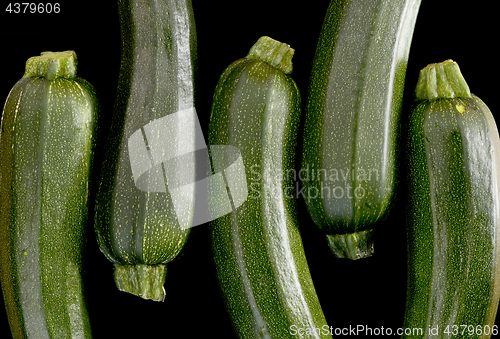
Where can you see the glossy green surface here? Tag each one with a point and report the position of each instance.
(46, 145)
(453, 217)
(353, 113)
(156, 79)
(258, 252)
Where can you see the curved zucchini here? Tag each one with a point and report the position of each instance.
(261, 264)
(47, 140)
(453, 218)
(352, 116)
(138, 230)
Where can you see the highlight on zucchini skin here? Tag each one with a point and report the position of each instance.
(140, 231)
(48, 137)
(258, 253)
(452, 147)
(351, 132)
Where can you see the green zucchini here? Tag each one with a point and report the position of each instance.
(453, 217)
(353, 112)
(138, 228)
(47, 140)
(260, 261)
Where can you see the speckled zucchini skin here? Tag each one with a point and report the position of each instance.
(352, 115)
(156, 79)
(47, 140)
(453, 217)
(261, 264)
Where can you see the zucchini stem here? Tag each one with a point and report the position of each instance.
(352, 245)
(273, 52)
(145, 281)
(52, 65)
(441, 80)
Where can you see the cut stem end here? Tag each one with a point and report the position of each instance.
(145, 281)
(52, 65)
(273, 52)
(441, 80)
(353, 245)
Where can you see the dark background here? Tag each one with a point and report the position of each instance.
(367, 292)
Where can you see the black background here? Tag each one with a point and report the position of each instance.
(367, 292)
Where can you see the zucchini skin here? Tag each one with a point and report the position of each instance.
(47, 141)
(453, 217)
(258, 253)
(352, 120)
(138, 229)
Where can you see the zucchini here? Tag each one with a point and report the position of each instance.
(353, 112)
(137, 225)
(258, 253)
(47, 140)
(453, 213)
